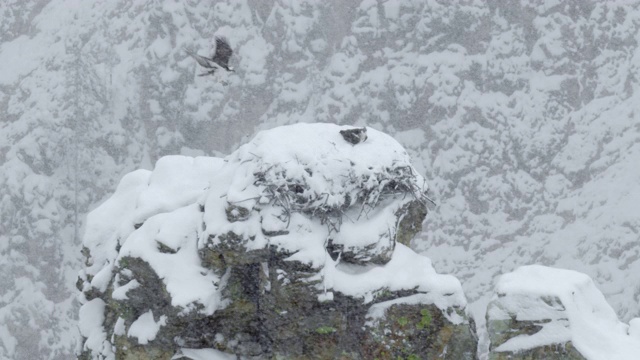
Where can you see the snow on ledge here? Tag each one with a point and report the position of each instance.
(145, 327)
(577, 310)
(204, 354)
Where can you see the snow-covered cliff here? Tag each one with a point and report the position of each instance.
(287, 248)
(522, 113)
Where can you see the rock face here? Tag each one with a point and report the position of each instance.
(290, 248)
(501, 330)
(544, 313)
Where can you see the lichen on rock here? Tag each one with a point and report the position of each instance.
(294, 246)
(412, 327)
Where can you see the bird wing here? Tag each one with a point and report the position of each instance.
(223, 52)
(203, 61)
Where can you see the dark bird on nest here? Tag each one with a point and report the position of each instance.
(220, 57)
(355, 136)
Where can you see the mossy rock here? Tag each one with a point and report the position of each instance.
(564, 351)
(502, 330)
(370, 254)
(418, 331)
(410, 218)
(85, 354)
(128, 350)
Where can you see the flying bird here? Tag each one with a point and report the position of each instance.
(220, 58)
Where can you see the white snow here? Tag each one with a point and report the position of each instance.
(101, 236)
(204, 354)
(145, 328)
(406, 270)
(634, 328)
(8, 341)
(185, 279)
(90, 324)
(176, 181)
(17, 64)
(119, 328)
(569, 307)
(120, 293)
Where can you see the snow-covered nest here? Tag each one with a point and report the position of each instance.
(298, 189)
(568, 307)
(297, 179)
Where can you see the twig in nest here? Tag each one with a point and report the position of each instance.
(247, 199)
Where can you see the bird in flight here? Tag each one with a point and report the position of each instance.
(220, 58)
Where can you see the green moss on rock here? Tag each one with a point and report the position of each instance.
(564, 351)
(129, 350)
(432, 337)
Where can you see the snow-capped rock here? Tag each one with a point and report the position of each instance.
(287, 247)
(539, 312)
